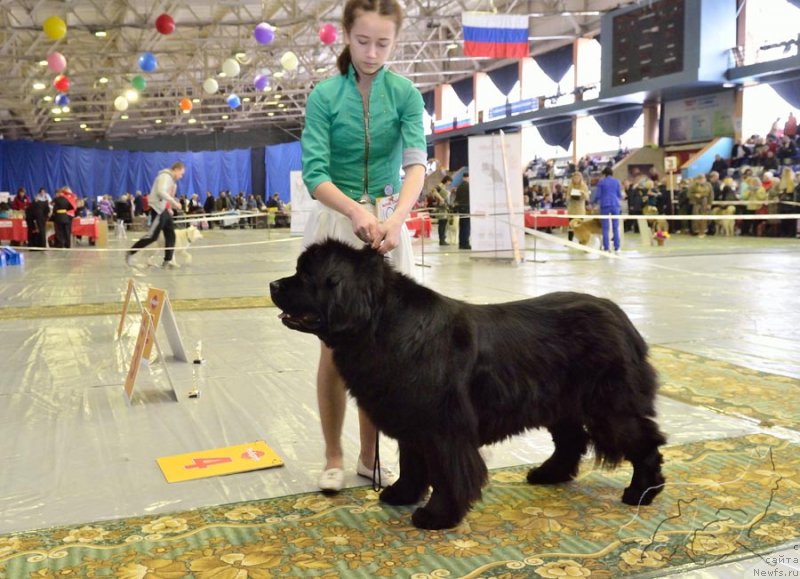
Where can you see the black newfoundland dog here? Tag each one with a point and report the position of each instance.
(444, 377)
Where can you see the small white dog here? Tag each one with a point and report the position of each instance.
(184, 238)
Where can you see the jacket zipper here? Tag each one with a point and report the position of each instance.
(366, 144)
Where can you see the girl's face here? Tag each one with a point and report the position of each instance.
(371, 41)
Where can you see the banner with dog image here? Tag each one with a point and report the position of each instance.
(492, 218)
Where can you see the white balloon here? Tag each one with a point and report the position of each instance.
(210, 86)
(230, 67)
(289, 61)
(121, 103)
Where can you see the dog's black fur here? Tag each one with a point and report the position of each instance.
(444, 377)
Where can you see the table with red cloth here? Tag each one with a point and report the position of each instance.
(85, 227)
(14, 230)
(546, 218)
(419, 224)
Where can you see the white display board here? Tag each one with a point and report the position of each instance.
(700, 118)
(302, 203)
(492, 218)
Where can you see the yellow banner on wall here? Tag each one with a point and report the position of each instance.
(218, 461)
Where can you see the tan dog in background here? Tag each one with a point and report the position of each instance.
(725, 226)
(655, 224)
(585, 228)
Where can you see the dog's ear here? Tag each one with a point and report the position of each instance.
(352, 294)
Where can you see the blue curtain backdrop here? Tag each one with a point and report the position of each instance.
(789, 90)
(557, 133)
(280, 161)
(465, 90)
(93, 172)
(555, 63)
(505, 77)
(618, 122)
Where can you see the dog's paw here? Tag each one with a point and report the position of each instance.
(424, 518)
(400, 494)
(642, 496)
(544, 475)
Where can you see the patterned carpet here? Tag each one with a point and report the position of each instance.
(725, 500)
(770, 399)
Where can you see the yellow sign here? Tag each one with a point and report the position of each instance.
(145, 334)
(154, 304)
(128, 294)
(229, 460)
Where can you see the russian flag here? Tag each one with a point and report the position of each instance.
(495, 35)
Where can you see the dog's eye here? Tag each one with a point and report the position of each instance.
(332, 281)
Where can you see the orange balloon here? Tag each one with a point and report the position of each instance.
(185, 104)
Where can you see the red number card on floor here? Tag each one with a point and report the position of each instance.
(218, 461)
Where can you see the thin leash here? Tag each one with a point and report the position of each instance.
(376, 469)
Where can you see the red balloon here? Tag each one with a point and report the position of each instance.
(61, 83)
(327, 34)
(165, 24)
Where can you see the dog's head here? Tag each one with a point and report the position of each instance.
(193, 234)
(335, 293)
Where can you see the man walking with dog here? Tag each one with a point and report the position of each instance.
(608, 196)
(162, 202)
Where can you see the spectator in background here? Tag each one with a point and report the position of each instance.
(5, 210)
(20, 201)
(700, 196)
(608, 196)
(123, 208)
(104, 208)
(36, 215)
(194, 205)
(64, 207)
(790, 128)
(43, 195)
(720, 165)
(138, 204)
(461, 207)
(275, 202)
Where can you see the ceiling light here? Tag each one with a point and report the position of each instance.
(270, 114)
(131, 95)
(83, 125)
(192, 121)
(240, 55)
(278, 95)
(271, 103)
(42, 63)
(321, 69)
(278, 74)
(195, 100)
(101, 34)
(281, 105)
(221, 74)
(39, 86)
(57, 119)
(65, 109)
(246, 100)
(267, 88)
(451, 46)
(124, 117)
(225, 117)
(102, 80)
(186, 112)
(158, 121)
(47, 98)
(56, 110)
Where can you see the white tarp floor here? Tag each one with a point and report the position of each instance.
(73, 450)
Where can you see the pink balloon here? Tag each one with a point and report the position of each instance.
(328, 34)
(56, 62)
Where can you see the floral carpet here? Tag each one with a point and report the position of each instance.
(770, 399)
(724, 500)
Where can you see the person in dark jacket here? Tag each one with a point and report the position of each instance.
(36, 215)
(63, 210)
(461, 207)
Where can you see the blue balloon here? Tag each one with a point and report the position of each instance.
(148, 62)
(62, 100)
(234, 101)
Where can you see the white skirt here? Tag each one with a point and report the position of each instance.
(326, 223)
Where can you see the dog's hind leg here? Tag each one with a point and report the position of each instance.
(640, 446)
(413, 481)
(571, 442)
(457, 474)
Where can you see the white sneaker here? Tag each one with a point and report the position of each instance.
(384, 477)
(331, 480)
(170, 265)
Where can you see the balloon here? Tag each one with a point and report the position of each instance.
(230, 67)
(328, 34)
(56, 62)
(185, 104)
(289, 61)
(261, 81)
(55, 28)
(148, 62)
(165, 24)
(233, 101)
(211, 85)
(138, 82)
(264, 33)
(121, 103)
(61, 83)
(62, 100)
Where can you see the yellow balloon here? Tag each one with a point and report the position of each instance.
(55, 28)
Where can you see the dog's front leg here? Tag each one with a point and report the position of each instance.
(457, 474)
(413, 482)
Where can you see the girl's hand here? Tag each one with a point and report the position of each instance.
(365, 226)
